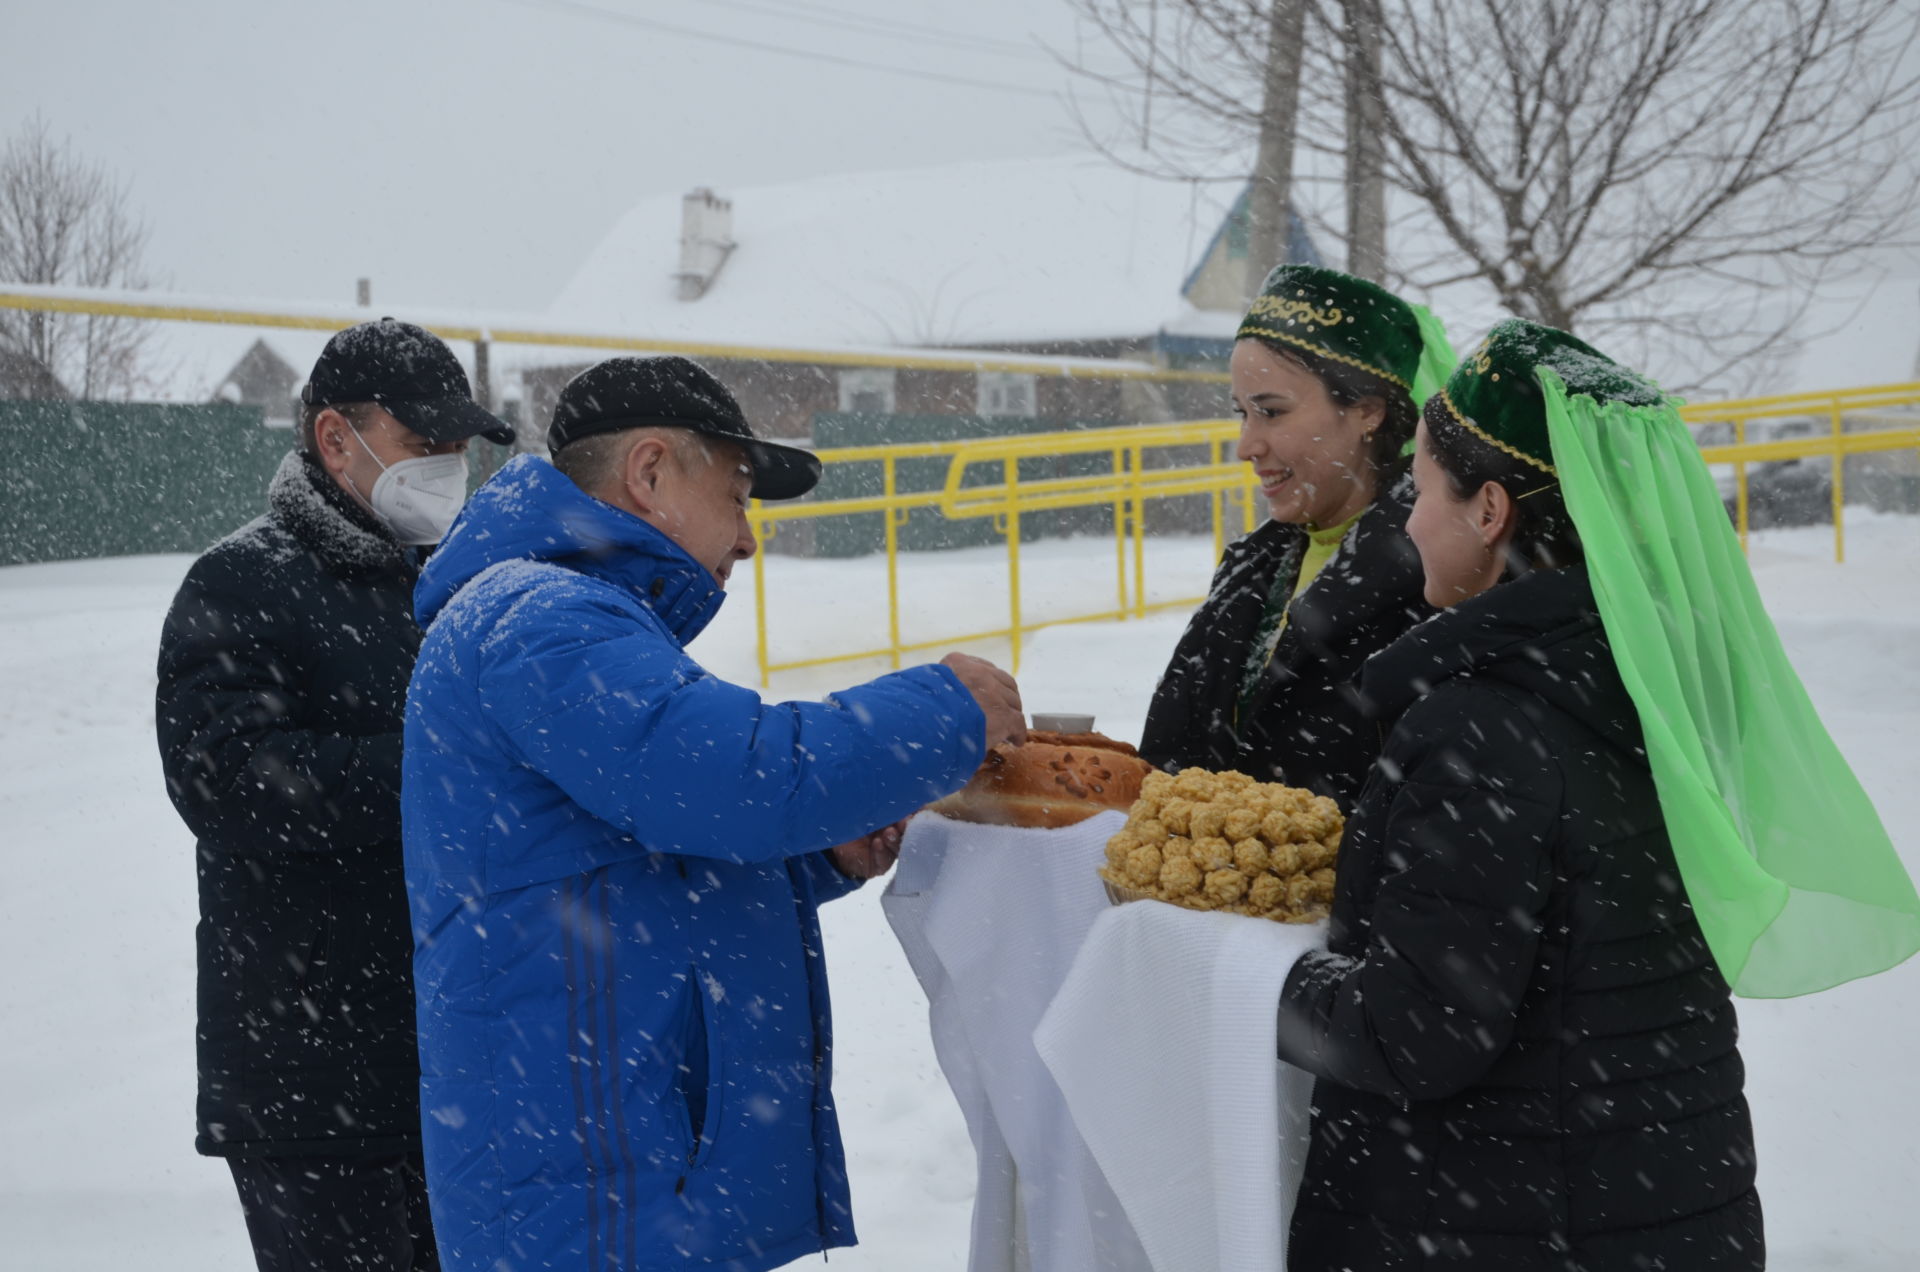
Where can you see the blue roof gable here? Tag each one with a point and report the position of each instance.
(1234, 229)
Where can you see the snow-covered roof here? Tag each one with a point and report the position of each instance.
(990, 253)
(194, 358)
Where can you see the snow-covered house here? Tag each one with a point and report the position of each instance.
(263, 377)
(25, 377)
(1060, 256)
(247, 366)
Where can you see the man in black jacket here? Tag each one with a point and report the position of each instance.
(282, 679)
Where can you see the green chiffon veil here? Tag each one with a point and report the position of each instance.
(1790, 871)
(1437, 358)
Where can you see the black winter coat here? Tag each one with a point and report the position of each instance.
(283, 677)
(1305, 726)
(1526, 1053)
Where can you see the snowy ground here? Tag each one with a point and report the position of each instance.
(96, 916)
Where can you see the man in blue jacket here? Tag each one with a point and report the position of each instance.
(615, 858)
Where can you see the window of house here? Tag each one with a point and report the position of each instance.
(867, 390)
(1007, 393)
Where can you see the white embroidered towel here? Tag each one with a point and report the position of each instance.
(991, 918)
(1163, 1041)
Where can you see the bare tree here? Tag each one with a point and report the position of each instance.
(64, 220)
(1673, 177)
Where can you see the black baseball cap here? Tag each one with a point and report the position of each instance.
(411, 373)
(675, 392)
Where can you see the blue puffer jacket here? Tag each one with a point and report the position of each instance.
(614, 860)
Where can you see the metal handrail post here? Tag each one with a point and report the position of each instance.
(1139, 535)
(1740, 483)
(1119, 531)
(893, 516)
(1012, 472)
(1839, 488)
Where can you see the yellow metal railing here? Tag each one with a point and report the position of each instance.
(1834, 406)
(1129, 484)
(488, 329)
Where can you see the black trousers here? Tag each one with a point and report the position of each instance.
(350, 1214)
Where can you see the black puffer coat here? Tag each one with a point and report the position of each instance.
(1305, 726)
(283, 677)
(1526, 1053)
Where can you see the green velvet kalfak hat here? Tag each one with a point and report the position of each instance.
(1350, 320)
(1495, 394)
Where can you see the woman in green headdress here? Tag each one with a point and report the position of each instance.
(1328, 372)
(1604, 807)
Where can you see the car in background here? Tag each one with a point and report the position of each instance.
(1785, 492)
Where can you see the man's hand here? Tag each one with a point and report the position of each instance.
(997, 694)
(869, 855)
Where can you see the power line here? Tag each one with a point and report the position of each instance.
(667, 28)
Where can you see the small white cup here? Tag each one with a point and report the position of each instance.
(1061, 722)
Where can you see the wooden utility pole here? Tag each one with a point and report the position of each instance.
(483, 373)
(1366, 183)
(1271, 196)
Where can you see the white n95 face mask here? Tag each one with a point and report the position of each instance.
(418, 498)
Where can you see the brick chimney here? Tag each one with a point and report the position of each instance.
(706, 240)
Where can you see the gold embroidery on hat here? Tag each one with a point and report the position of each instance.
(1302, 312)
(1490, 439)
(1317, 350)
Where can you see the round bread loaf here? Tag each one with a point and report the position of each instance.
(1055, 779)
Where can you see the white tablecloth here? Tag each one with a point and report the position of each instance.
(1163, 1040)
(1115, 1065)
(991, 919)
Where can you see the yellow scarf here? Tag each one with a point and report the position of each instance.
(1321, 545)
(1319, 549)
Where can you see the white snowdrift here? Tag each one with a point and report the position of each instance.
(96, 916)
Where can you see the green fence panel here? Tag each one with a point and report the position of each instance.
(89, 479)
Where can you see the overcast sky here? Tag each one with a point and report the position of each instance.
(471, 152)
